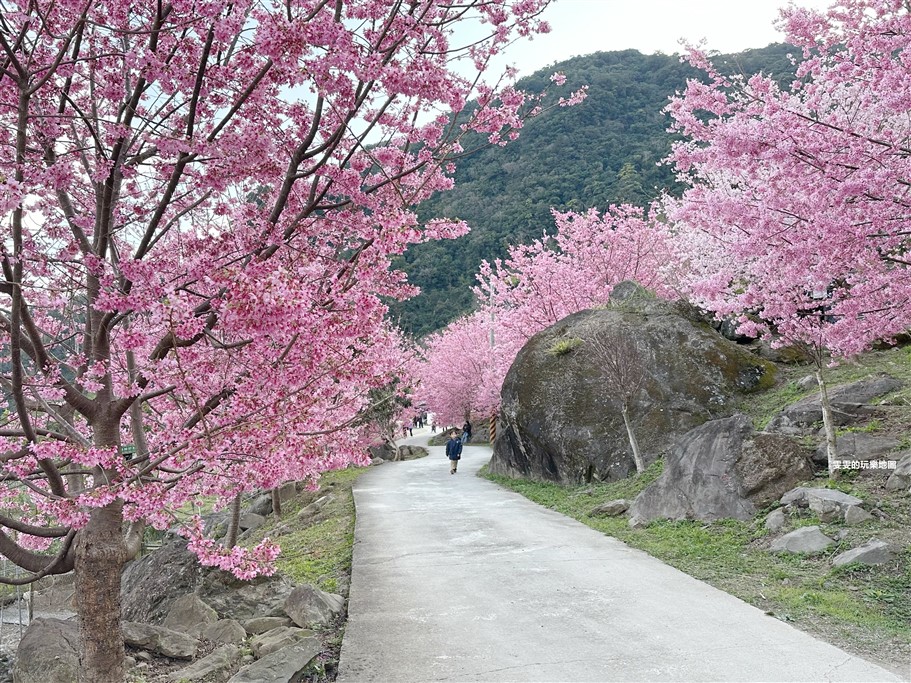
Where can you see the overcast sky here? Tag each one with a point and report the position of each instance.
(580, 27)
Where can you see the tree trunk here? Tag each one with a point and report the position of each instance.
(827, 421)
(637, 456)
(99, 559)
(234, 526)
(276, 503)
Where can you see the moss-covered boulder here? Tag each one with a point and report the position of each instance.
(559, 421)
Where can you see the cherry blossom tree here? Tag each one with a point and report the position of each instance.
(796, 220)
(534, 287)
(202, 201)
(457, 378)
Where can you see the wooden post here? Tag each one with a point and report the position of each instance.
(493, 428)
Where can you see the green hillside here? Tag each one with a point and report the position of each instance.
(605, 150)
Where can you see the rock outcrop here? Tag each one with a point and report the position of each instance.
(559, 422)
(851, 403)
(152, 583)
(722, 469)
(48, 652)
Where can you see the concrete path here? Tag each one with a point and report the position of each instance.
(457, 579)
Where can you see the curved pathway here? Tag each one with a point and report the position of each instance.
(457, 579)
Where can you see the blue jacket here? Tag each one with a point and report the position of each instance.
(454, 449)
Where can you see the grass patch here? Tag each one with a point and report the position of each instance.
(861, 608)
(317, 550)
(564, 346)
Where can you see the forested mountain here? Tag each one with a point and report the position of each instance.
(605, 150)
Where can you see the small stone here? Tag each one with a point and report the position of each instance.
(637, 523)
(873, 551)
(251, 520)
(610, 509)
(808, 382)
(857, 515)
(262, 624)
(775, 520)
(144, 656)
(276, 639)
(808, 539)
(308, 605)
(225, 632)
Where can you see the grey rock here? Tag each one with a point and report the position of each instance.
(55, 598)
(855, 514)
(308, 605)
(261, 505)
(802, 496)
(213, 668)
(873, 551)
(776, 520)
(226, 631)
(850, 404)
(250, 521)
(723, 469)
(150, 584)
(144, 656)
(188, 614)
(312, 510)
(48, 652)
(637, 522)
(610, 509)
(270, 641)
(160, 640)
(263, 624)
(377, 461)
(858, 446)
(807, 539)
(242, 600)
(807, 382)
(559, 421)
(282, 666)
(827, 510)
(900, 479)
(795, 497)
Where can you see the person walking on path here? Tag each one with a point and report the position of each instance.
(466, 432)
(453, 451)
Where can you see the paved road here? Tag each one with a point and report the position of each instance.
(457, 579)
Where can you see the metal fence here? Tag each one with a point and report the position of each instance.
(15, 613)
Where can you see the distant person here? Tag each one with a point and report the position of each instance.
(433, 426)
(454, 451)
(466, 432)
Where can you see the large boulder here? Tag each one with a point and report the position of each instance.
(560, 422)
(152, 583)
(723, 469)
(851, 403)
(48, 652)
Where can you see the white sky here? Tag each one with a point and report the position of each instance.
(580, 27)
